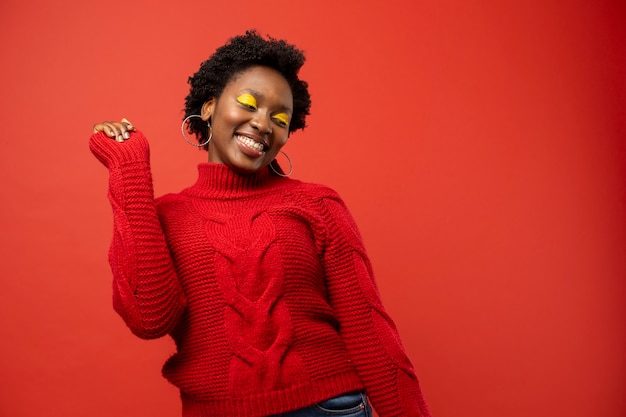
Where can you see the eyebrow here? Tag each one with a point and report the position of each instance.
(261, 95)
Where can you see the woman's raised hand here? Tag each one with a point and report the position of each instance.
(120, 131)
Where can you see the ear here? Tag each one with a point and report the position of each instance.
(207, 109)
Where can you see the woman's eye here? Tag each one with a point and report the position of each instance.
(247, 100)
(282, 119)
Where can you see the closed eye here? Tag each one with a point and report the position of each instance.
(247, 100)
(282, 119)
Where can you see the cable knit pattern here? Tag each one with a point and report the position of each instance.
(262, 282)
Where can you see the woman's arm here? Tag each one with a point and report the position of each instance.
(146, 291)
(367, 330)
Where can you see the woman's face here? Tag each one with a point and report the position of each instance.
(250, 120)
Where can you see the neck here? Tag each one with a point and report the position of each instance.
(221, 181)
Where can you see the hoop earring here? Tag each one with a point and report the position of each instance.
(182, 130)
(280, 173)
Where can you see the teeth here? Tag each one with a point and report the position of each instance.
(250, 143)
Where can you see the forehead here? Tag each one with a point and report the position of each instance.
(264, 80)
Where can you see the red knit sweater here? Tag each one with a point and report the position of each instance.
(262, 282)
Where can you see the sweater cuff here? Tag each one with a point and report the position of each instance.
(114, 154)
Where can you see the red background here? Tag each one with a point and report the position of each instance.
(480, 146)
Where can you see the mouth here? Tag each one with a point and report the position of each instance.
(255, 145)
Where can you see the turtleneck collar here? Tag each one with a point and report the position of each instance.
(220, 181)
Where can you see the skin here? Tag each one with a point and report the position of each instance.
(256, 105)
(120, 131)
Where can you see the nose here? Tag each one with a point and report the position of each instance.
(261, 122)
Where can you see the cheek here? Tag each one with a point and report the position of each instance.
(277, 145)
(230, 118)
(280, 140)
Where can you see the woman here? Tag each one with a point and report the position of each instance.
(261, 280)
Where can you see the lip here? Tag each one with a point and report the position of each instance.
(253, 153)
(254, 137)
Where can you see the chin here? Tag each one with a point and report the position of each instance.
(246, 169)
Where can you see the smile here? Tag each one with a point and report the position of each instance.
(250, 143)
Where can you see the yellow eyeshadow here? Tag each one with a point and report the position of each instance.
(282, 117)
(247, 100)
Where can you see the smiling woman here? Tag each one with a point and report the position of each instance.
(251, 119)
(262, 281)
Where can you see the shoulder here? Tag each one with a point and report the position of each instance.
(171, 201)
(332, 215)
(326, 202)
(315, 192)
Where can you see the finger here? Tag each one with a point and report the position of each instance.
(128, 124)
(104, 127)
(125, 127)
(114, 130)
(99, 127)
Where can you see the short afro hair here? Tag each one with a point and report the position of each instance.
(239, 54)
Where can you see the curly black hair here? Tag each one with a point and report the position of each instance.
(236, 56)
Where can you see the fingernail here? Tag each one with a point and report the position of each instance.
(119, 138)
(126, 135)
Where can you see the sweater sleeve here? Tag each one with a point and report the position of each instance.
(146, 291)
(369, 333)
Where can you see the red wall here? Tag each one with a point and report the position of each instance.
(480, 147)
